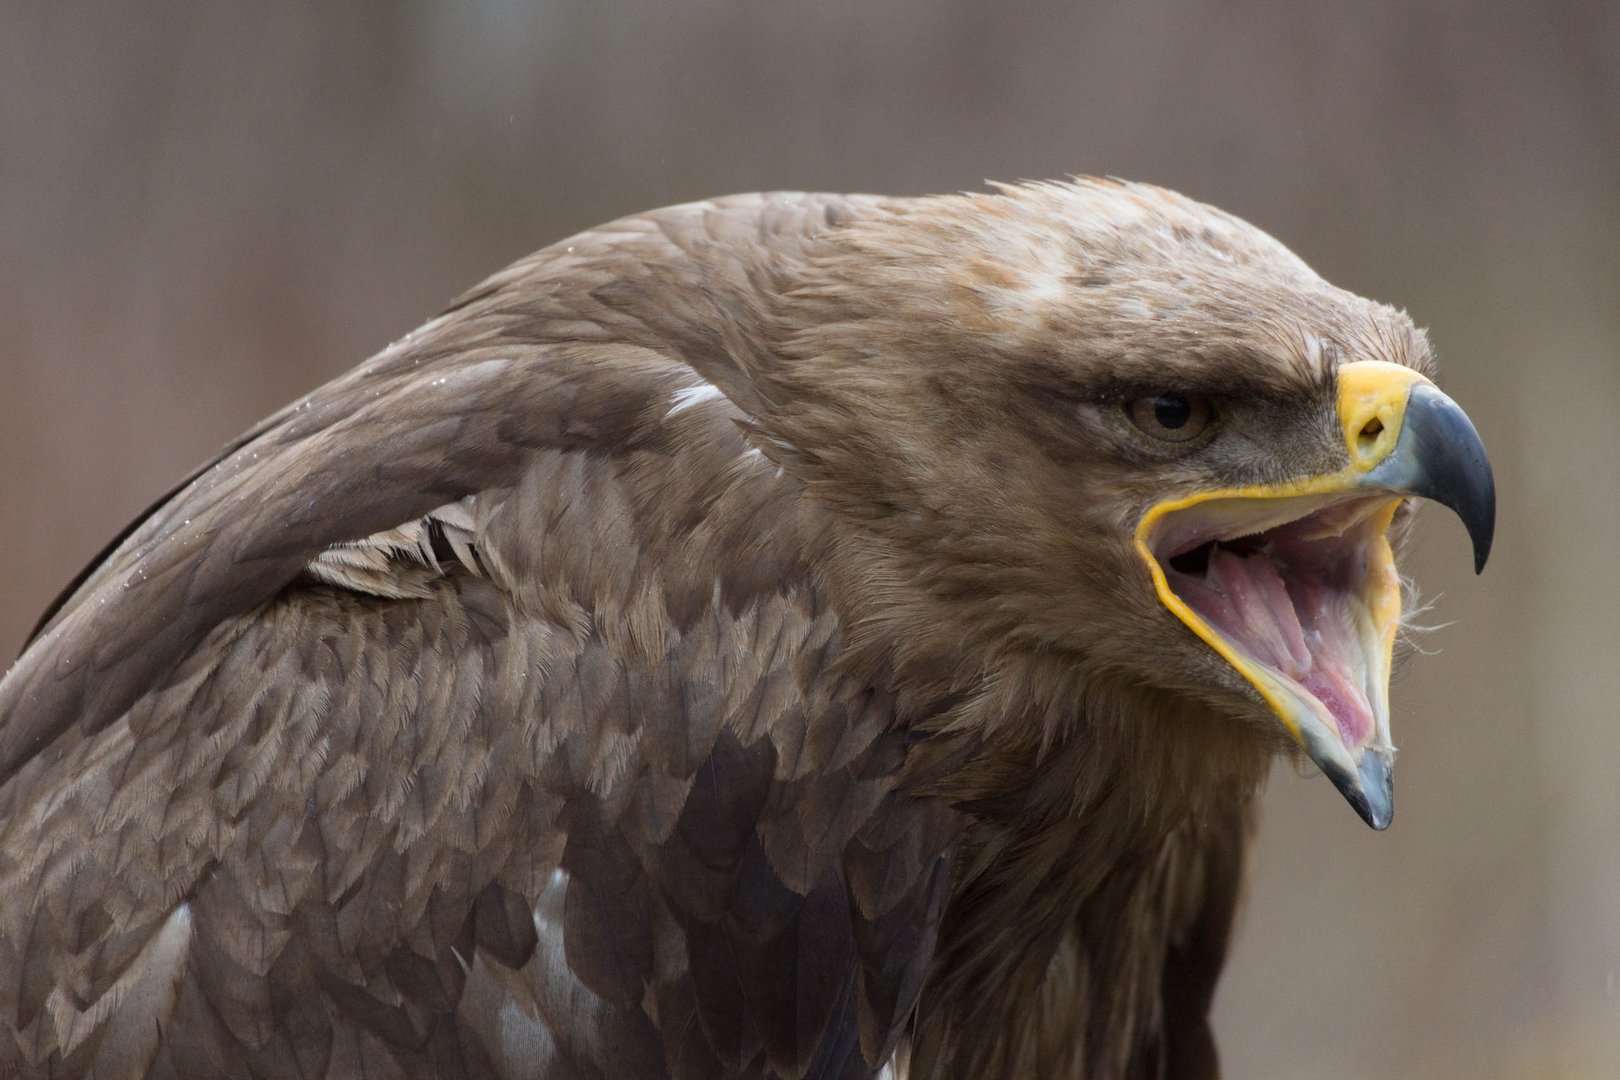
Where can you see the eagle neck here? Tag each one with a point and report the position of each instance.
(1090, 863)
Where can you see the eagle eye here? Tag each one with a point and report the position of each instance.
(1175, 418)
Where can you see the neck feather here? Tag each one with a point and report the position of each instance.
(1104, 840)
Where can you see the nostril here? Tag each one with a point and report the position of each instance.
(1369, 433)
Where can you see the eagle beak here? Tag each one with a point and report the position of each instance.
(1295, 585)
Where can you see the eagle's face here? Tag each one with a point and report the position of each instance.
(1124, 427)
(1294, 582)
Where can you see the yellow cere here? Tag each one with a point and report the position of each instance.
(1372, 402)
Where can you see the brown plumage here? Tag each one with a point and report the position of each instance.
(713, 648)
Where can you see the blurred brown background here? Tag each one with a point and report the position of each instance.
(206, 210)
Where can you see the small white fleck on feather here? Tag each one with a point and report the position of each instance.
(692, 395)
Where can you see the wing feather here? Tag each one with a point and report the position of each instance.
(477, 715)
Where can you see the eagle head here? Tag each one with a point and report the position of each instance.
(1107, 425)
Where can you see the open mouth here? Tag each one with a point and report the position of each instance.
(1299, 593)
(1294, 583)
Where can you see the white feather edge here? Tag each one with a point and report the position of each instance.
(373, 564)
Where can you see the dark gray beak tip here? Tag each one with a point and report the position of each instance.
(1370, 790)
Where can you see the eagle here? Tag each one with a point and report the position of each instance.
(780, 636)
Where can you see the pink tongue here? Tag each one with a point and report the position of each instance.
(1331, 680)
(1245, 599)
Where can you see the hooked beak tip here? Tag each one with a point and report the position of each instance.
(1370, 790)
(1440, 457)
